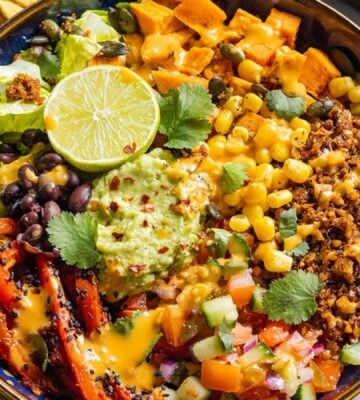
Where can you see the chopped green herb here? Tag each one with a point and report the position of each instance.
(220, 243)
(293, 298)
(284, 106)
(288, 223)
(125, 325)
(225, 335)
(300, 250)
(233, 176)
(185, 114)
(39, 352)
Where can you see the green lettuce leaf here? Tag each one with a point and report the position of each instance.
(75, 52)
(97, 23)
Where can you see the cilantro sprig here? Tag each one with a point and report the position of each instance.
(75, 236)
(284, 106)
(225, 335)
(300, 250)
(233, 176)
(287, 223)
(184, 116)
(293, 298)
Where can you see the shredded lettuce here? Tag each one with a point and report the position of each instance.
(96, 22)
(75, 52)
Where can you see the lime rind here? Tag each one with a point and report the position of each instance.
(102, 117)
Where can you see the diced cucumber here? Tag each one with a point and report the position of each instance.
(257, 354)
(239, 245)
(350, 354)
(192, 389)
(152, 345)
(305, 391)
(208, 348)
(256, 303)
(217, 309)
(232, 267)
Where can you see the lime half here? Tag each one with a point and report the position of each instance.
(101, 117)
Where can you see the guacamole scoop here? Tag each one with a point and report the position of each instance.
(143, 231)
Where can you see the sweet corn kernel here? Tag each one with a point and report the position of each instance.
(264, 228)
(340, 86)
(299, 137)
(235, 105)
(239, 223)
(280, 152)
(262, 156)
(212, 168)
(279, 179)
(235, 145)
(355, 108)
(266, 136)
(240, 132)
(217, 146)
(224, 121)
(252, 102)
(256, 193)
(299, 123)
(250, 71)
(264, 173)
(354, 94)
(253, 212)
(292, 241)
(277, 261)
(233, 199)
(263, 249)
(305, 230)
(279, 198)
(297, 171)
(248, 161)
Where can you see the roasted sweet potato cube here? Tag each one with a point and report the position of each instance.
(251, 121)
(196, 60)
(166, 80)
(263, 54)
(242, 20)
(288, 23)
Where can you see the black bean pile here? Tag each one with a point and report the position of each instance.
(35, 198)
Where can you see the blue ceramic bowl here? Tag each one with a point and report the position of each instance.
(322, 27)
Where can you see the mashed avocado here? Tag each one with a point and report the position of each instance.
(143, 230)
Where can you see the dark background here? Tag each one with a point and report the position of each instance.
(351, 8)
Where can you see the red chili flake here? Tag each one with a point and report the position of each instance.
(203, 150)
(114, 184)
(130, 148)
(149, 208)
(137, 267)
(145, 224)
(114, 206)
(163, 250)
(144, 199)
(186, 202)
(118, 235)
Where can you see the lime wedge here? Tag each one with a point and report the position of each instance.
(101, 117)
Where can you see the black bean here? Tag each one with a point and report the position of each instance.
(14, 210)
(29, 219)
(51, 209)
(8, 148)
(12, 192)
(33, 234)
(8, 158)
(79, 198)
(28, 202)
(26, 176)
(32, 136)
(47, 189)
(73, 180)
(48, 161)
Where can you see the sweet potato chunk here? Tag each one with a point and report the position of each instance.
(153, 17)
(240, 86)
(263, 54)
(288, 23)
(242, 21)
(196, 59)
(133, 41)
(317, 71)
(166, 80)
(251, 121)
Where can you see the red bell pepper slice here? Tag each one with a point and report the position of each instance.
(8, 227)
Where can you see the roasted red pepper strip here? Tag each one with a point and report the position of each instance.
(132, 304)
(88, 389)
(8, 227)
(88, 302)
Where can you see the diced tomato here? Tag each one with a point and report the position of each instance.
(216, 375)
(173, 320)
(241, 334)
(241, 288)
(296, 345)
(330, 371)
(136, 302)
(262, 393)
(274, 333)
(8, 227)
(164, 347)
(258, 321)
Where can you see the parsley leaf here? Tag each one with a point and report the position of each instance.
(300, 250)
(75, 236)
(284, 106)
(287, 223)
(185, 114)
(293, 298)
(225, 335)
(125, 325)
(220, 243)
(49, 65)
(233, 176)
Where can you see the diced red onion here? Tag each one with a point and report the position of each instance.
(166, 292)
(305, 375)
(318, 348)
(167, 369)
(252, 342)
(274, 382)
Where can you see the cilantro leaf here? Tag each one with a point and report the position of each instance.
(75, 236)
(185, 114)
(287, 223)
(300, 250)
(125, 325)
(284, 106)
(233, 176)
(49, 65)
(225, 335)
(220, 243)
(293, 298)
